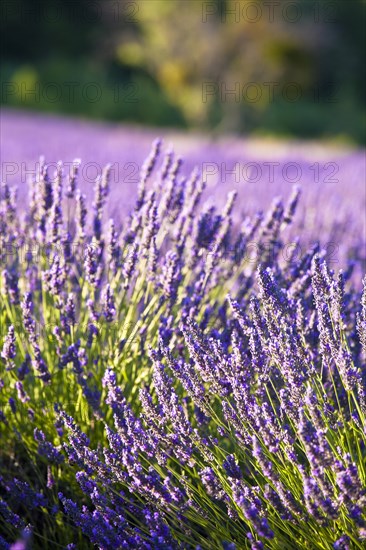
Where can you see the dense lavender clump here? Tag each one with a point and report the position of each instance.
(163, 388)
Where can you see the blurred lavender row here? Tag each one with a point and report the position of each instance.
(332, 209)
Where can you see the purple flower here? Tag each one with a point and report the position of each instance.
(130, 265)
(109, 309)
(46, 448)
(231, 467)
(11, 287)
(22, 394)
(40, 366)
(74, 170)
(172, 276)
(55, 277)
(21, 491)
(81, 213)
(9, 349)
(92, 269)
(29, 323)
(9, 516)
(24, 543)
(24, 368)
(342, 543)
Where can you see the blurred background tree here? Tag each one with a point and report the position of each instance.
(294, 69)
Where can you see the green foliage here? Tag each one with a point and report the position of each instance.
(167, 52)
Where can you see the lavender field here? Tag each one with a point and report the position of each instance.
(183, 340)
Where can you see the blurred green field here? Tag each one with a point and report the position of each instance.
(295, 70)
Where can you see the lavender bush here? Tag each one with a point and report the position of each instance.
(162, 387)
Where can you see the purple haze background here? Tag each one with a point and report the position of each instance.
(332, 209)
